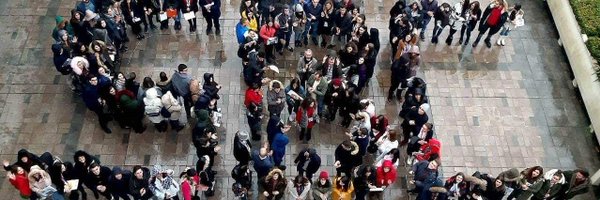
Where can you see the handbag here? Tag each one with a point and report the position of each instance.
(165, 112)
(171, 13)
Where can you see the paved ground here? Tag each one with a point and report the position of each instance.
(493, 108)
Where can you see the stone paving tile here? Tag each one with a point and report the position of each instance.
(493, 108)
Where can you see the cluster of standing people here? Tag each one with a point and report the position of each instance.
(49, 178)
(89, 45)
(531, 183)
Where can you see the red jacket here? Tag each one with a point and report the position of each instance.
(22, 184)
(253, 96)
(267, 32)
(383, 177)
(310, 113)
(432, 146)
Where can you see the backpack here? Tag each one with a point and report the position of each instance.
(65, 68)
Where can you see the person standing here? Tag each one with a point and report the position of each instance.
(180, 81)
(298, 188)
(133, 13)
(268, 35)
(345, 157)
(578, 182)
(263, 161)
(293, 100)
(299, 24)
(322, 188)
(429, 8)
(174, 108)
(306, 66)
(17, 177)
(317, 88)
(139, 185)
(472, 16)
(92, 100)
(211, 10)
(307, 118)
(171, 6)
(313, 13)
(97, 180)
(153, 108)
(188, 6)
(515, 19)
(275, 98)
(425, 176)
(274, 185)
(151, 10)
(280, 141)
(242, 148)
(119, 183)
(284, 33)
(309, 162)
(491, 21)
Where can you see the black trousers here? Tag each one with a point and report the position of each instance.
(103, 118)
(305, 132)
(211, 20)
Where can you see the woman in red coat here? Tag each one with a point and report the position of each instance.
(267, 34)
(306, 118)
(18, 178)
(253, 95)
(429, 149)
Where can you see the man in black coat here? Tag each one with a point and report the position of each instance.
(242, 148)
(119, 183)
(413, 121)
(345, 157)
(400, 72)
(92, 100)
(308, 161)
(97, 180)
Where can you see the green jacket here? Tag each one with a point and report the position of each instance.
(321, 87)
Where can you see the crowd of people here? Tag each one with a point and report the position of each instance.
(89, 46)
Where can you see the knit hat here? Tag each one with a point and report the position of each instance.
(324, 175)
(298, 8)
(337, 82)
(89, 15)
(61, 33)
(510, 175)
(425, 107)
(243, 135)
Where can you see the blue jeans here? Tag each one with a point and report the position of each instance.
(505, 30)
(424, 22)
(320, 105)
(312, 27)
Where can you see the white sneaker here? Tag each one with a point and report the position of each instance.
(498, 42)
(503, 42)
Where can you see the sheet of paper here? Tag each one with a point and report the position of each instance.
(73, 184)
(189, 15)
(162, 16)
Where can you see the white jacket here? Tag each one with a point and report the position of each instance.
(161, 192)
(153, 104)
(292, 193)
(171, 103)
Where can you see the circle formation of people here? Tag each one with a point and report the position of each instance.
(88, 50)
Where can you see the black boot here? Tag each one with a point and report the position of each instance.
(460, 41)
(487, 42)
(449, 41)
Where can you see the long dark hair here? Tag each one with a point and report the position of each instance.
(297, 82)
(465, 7)
(513, 13)
(306, 103)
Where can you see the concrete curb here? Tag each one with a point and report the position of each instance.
(579, 58)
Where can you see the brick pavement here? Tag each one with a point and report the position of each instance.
(493, 108)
